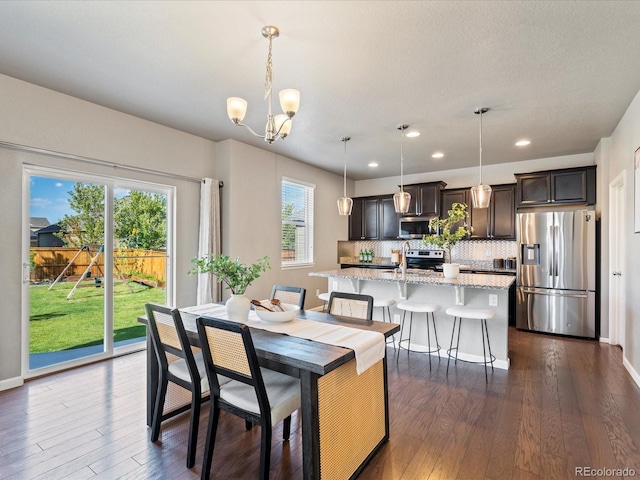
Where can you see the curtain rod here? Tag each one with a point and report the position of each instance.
(95, 161)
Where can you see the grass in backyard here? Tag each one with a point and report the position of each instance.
(56, 323)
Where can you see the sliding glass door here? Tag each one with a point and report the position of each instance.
(97, 254)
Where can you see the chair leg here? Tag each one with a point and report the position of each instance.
(484, 354)
(212, 428)
(453, 331)
(194, 421)
(286, 428)
(458, 341)
(428, 342)
(265, 451)
(404, 314)
(486, 329)
(157, 409)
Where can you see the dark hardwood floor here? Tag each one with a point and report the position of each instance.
(563, 404)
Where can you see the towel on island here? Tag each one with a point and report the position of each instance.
(369, 347)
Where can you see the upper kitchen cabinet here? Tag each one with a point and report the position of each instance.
(451, 196)
(388, 218)
(363, 221)
(373, 218)
(425, 199)
(567, 186)
(498, 221)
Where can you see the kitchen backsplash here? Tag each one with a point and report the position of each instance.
(465, 251)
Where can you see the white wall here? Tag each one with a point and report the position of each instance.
(624, 141)
(251, 202)
(602, 155)
(37, 117)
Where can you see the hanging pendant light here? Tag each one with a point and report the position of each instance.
(481, 194)
(345, 203)
(401, 199)
(278, 126)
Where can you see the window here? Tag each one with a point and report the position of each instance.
(297, 223)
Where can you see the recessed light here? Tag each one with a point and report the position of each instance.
(437, 155)
(522, 143)
(372, 164)
(412, 134)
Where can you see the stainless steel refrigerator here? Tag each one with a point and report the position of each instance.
(556, 272)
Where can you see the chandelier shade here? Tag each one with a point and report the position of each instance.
(401, 199)
(481, 193)
(345, 204)
(276, 127)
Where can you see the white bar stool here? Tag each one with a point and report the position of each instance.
(385, 303)
(325, 299)
(417, 307)
(460, 312)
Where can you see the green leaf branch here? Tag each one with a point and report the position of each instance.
(446, 236)
(233, 274)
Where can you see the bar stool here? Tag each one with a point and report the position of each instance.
(418, 307)
(325, 298)
(460, 312)
(385, 303)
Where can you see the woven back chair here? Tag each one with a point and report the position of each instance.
(258, 395)
(288, 294)
(179, 365)
(351, 305)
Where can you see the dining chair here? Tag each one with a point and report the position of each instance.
(179, 365)
(288, 294)
(352, 305)
(262, 397)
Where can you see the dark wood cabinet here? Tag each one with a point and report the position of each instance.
(498, 221)
(389, 219)
(451, 196)
(568, 186)
(425, 199)
(373, 218)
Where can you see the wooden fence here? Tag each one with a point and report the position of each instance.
(48, 262)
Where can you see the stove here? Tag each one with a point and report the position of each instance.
(425, 259)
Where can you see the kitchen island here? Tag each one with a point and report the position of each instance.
(475, 290)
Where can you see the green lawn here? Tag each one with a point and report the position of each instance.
(60, 324)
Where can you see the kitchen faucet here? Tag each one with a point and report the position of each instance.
(406, 246)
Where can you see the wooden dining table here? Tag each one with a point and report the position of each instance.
(344, 416)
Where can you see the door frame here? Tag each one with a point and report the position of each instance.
(110, 183)
(617, 248)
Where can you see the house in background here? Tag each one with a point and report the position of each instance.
(35, 224)
(45, 237)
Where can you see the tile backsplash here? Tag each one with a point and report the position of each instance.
(465, 251)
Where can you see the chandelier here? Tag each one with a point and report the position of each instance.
(280, 125)
(345, 203)
(481, 194)
(401, 199)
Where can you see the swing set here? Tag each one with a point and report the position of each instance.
(94, 251)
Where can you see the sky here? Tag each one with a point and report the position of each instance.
(49, 198)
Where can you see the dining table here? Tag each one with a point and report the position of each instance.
(344, 414)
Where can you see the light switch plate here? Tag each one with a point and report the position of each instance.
(493, 300)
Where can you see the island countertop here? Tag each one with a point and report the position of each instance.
(422, 277)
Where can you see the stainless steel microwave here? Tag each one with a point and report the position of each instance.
(415, 227)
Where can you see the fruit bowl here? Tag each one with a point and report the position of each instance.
(290, 312)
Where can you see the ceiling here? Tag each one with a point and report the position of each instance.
(558, 73)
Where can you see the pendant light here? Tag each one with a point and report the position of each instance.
(481, 194)
(401, 199)
(345, 203)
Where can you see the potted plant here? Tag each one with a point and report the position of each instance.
(447, 237)
(235, 276)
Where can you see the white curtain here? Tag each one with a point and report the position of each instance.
(209, 239)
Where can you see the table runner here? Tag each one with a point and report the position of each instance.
(369, 347)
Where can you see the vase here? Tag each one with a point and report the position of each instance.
(451, 270)
(238, 307)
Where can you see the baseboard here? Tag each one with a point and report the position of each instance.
(603, 339)
(11, 383)
(631, 370)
